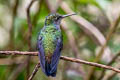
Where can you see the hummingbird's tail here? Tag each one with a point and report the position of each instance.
(51, 66)
(49, 69)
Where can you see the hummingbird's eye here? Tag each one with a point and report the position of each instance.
(59, 17)
(55, 18)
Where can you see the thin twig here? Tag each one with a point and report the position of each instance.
(34, 71)
(69, 34)
(29, 22)
(19, 53)
(63, 58)
(90, 63)
(109, 75)
(114, 58)
(73, 45)
(87, 27)
(29, 34)
(110, 63)
(100, 54)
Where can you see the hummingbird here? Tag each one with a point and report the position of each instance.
(50, 44)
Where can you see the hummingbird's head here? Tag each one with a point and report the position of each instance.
(55, 18)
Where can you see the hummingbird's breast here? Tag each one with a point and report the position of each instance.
(50, 41)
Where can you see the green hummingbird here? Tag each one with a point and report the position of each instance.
(50, 44)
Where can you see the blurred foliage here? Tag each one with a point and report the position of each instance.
(92, 10)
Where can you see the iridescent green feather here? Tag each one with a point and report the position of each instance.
(50, 34)
(50, 44)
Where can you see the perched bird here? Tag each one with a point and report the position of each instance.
(50, 43)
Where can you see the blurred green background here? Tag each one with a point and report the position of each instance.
(14, 36)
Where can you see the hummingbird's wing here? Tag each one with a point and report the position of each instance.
(56, 55)
(41, 53)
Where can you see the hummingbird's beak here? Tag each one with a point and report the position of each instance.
(64, 16)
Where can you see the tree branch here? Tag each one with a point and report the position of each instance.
(29, 23)
(34, 71)
(88, 28)
(73, 45)
(63, 58)
(29, 34)
(113, 27)
(110, 63)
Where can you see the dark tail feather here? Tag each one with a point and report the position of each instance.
(48, 70)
